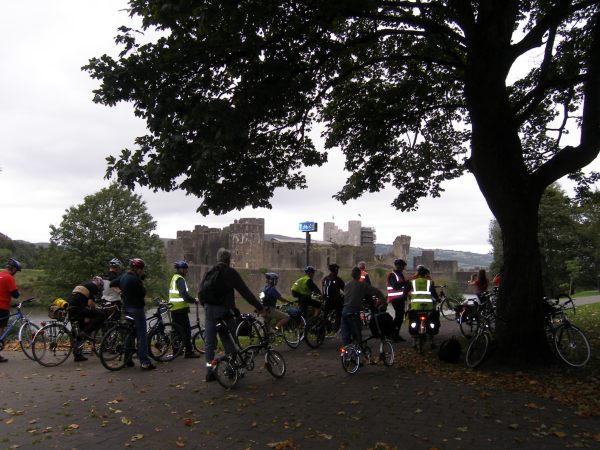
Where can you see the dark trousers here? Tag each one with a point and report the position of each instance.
(398, 304)
(181, 318)
(212, 313)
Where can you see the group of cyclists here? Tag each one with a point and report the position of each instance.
(125, 290)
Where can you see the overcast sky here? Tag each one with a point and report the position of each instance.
(55, 141)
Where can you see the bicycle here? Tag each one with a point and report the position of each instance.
(478, 348)
(350, 355)
(27, 330)
(165, 339)
(197, 332)
(251, 331)
(467, 318)
(229, 368)
(567, 341)
(54, 342)
(448, 305)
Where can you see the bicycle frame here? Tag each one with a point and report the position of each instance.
(17, 320)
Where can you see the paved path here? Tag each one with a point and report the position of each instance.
(315, 406)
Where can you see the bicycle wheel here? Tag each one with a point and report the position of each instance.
(198, 341)
(315, 332)
(26, 335)
(116, 346)
(275, 363)
(571, 345)
(249, 332)
(468, 324)
(386, 352)
(293, 331)
(165, 342)
(97, 335)
(350, 359)
(448, 308)
(52, 344)
(477, 350)
(226, 372)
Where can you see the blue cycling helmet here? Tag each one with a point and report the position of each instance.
(181, 265)
(13, 264)
(271, 277)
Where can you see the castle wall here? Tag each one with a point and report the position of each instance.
(246, 239)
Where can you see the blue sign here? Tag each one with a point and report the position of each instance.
(308, 226)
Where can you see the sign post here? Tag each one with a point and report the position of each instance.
(308, 227)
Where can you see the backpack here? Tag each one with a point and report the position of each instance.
(450, 350)
(212, 287)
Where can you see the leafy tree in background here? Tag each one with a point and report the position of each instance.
(567, 255)
(229, 90)
(112, 223)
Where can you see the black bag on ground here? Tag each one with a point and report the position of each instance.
(450, 350)
(212, 286)
(386, 324)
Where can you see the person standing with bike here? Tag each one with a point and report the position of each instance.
(112, 295)
(303, 289)
(180, 299)
(217, 297)
(422, 299)
(8, 291)
(133, 293)
(82, 307)
(354, 293)
(396, 295)
(333, 293)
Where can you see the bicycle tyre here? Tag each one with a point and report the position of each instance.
(448, 308)
(314, 334)
(293, 331)
(52, 344)
(275, 363)
(468, 324)
(226, 372)
(165, 342)
(477, 350)
(386, 352)
(350, 359)
(421, 342)
(249, 332)
(198, 341)
(115, 345)
(26, 334)
(99, 333)
(571, 345)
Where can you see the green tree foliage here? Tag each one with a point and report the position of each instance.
(229, 89)
(112, 223)
(568, 241)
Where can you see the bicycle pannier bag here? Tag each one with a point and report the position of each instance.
(58, 309)
(450, 350)
(386, 324)
(212, 287)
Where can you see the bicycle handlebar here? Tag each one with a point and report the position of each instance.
(18, 305)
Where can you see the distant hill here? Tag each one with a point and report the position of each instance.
(24, 252)
(466, 260)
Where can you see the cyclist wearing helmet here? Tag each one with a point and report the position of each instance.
(396, 295)
(112, 295)
(8, 291)
(422, 298)
(82, 307)
(133, 294)
(303, 289)
(180, 300)
(333, 292)
(269, 297)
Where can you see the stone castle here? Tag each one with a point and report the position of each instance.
(255, 252)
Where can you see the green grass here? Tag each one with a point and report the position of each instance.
(585, 294)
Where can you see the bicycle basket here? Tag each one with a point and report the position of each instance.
(57, 313)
